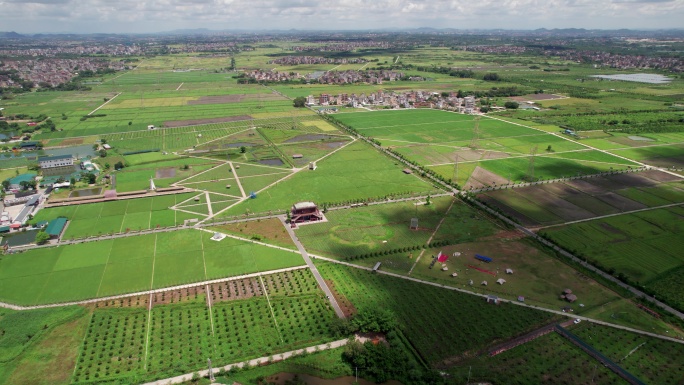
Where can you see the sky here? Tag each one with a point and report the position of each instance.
(143, 16)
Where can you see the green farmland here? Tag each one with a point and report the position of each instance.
(131, 264)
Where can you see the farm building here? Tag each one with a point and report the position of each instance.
(305, 212)
(28, 145)
(15, 183)
(56, 226)
(56, 165)
(407, 171)
(297, 156)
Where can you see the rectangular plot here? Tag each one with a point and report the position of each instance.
(137, 221)
(114, 208)
(107, 225)
(133, 247)
(23, 290)
(88, 211)
(60, 286)
(178, 268)
(131, 276)
(164, 218)
(31, 262)
(83, 255)
(179, 241)
(139, 205)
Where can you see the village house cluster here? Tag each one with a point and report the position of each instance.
(294, 60)
(347, 77)
(391, 99)
(68, 49)
(329, 77)
(620, 61)
(53, 72)
(343, 46)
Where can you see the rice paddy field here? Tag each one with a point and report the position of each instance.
(130, 264)
(457, 146)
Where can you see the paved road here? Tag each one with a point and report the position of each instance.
(257, 361)
(558, 312)
(314, 270)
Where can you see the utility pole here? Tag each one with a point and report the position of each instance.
(357, 374)
(211, 372)
(469, 369)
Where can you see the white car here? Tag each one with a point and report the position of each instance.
(577, 321)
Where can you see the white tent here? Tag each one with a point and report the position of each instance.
(500, 281)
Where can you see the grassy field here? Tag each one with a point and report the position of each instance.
(118, 216)
(131, 264)
(354, 172)
(440, 140)
(382, 233)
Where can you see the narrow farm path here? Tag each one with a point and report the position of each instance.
(432, 235)
(237, 180)
(314, 270)
(257, 361)
(104, 104)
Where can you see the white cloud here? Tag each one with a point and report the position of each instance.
(32, 16)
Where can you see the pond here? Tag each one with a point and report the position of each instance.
(238, 144)
(19, 238)
(272, 162)
(86, 192)
(281, 378)
(640, 78)
(640, 138)
(7, 135)
(77, 151)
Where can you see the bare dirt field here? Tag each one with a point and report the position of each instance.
(220, 99)
(236, 289)
(622, 203)
(194, 122)
(481, 177)
(660, 176)
(166, 172)
(534, 97)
